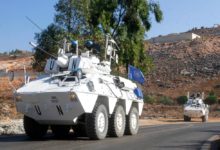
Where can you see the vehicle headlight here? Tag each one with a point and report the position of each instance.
(72, 96)
(18, 98)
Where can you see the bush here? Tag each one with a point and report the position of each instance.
(165, 100)
(182, 100)
(211, 99)
(212, 93)
(149, 99)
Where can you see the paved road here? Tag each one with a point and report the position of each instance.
(164, 137)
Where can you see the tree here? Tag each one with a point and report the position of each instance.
(72, 15)
(182, 100)
(211, 99)
(16, 52)
(127, 21)
(47, 40)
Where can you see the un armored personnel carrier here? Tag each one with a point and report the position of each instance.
(195, 108)
(79, 92)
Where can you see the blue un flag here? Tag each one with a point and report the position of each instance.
(135, 74)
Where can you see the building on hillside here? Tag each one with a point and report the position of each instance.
(174, 37)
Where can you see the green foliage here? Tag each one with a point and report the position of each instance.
(211, 99)
(212, 93)
(165, 100)
(182, 100)
(47, 40)
(127, 21)
(149, 99)
(72, 15)
(15, 52)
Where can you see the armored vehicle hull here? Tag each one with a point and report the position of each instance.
(60, 104)
(195, 108)
(79, 92)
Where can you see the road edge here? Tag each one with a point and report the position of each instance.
(208, 143)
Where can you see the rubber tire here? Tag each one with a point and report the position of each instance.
(205, 118)
(186, 118)
(129, 130)
(33, 129)
(92, 123)
(79, 130)
(113, 130)
(189, 119)
(60, 131)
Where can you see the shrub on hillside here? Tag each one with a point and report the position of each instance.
(165, 100)
(212, 93)
(149, 99)
(211, 99)
(182, 100)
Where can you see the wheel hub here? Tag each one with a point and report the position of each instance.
(133, 121)
(119, 121)
(101, 122)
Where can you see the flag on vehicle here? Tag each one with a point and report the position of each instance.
(135, 74)
(138, 93)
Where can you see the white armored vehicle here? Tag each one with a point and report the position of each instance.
(79, 92)
(195, 108)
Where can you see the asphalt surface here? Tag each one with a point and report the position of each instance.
(170, 137)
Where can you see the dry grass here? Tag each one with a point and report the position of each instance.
(7, 105)
(16, 64)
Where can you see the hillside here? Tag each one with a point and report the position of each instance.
(207, 32)
(185, 66)
(13, 63)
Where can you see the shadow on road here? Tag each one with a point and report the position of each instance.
(180, 121)
(212, 131)
(183, 145)
(48, 137)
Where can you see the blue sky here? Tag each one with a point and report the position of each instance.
(182, 15)
(179, 16)
(15, 30)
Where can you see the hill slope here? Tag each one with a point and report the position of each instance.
(184, 66)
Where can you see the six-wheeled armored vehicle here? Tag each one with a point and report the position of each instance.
(79, 92)
(195, 108)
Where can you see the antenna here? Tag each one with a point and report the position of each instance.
(106, 45)
(35, 46)
(35, 24)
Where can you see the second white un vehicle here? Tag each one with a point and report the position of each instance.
(195, 108)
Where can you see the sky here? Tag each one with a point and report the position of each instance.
(179, 16)
(15, 30)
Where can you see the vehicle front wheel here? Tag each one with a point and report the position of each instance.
(186, 118)
(97, 122)
(132, 122)
(117, 122)
(33, 129)
(205, 118)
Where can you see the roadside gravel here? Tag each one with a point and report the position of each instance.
(11, 127)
